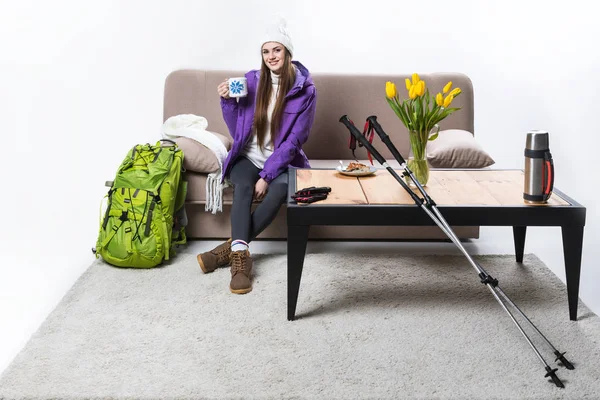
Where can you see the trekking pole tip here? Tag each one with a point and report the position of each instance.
(552, 374)
(563, 359)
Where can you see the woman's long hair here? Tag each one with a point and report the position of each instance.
(287, 77)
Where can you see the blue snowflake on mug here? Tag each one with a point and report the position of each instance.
(236, 87)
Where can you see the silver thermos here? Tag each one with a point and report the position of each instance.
(539, 168)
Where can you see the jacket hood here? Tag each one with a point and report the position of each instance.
(303, 78)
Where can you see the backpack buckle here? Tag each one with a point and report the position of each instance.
(123, 216)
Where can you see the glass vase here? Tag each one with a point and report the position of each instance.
(417, 160)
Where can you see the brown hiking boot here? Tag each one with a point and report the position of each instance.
(241, 272)
(216, 258)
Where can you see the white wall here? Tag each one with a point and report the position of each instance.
(83, 81)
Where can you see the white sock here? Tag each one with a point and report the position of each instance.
(238, 245)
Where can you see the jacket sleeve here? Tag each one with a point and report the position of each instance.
(282, 156)
(229, 108)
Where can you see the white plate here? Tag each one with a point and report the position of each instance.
(371, 171)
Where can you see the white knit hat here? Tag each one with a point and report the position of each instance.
(277, 32)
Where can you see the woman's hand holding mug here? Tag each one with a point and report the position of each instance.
(223, 89)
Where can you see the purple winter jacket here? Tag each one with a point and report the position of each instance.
(296, 122)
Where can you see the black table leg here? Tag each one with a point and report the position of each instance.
(572, 237)
(519, 237)
(296, 243)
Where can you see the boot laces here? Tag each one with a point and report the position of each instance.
(223, 253)
(238, 262)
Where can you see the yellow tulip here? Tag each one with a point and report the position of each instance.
(412, 93)
(421, 88)
(415, 78)
(390, 89)
(447, 87)
(448, 100)
(439, 99)
(408, 84)
(455, 92)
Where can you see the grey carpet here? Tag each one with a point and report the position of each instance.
(385, 327)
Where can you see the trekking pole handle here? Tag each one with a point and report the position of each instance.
(358, 135)
(385, 138)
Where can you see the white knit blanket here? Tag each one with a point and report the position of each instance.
(194, 127)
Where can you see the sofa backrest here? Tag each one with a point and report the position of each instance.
(358, 96)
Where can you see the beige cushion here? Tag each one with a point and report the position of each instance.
(199, 158)
(457, 148)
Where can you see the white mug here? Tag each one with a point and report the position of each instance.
(238, 87)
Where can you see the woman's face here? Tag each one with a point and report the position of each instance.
(273, 54)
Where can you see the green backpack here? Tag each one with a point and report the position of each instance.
(139, 228)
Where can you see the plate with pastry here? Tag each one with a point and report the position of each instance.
(356, 169)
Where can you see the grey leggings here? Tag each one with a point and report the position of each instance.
(245, 224)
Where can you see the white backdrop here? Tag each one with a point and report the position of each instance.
(83, 81)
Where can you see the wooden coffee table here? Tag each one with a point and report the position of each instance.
(464, 197)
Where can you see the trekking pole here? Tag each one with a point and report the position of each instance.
(372, 121)
(430, 208)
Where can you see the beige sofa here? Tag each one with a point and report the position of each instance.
(358, 96)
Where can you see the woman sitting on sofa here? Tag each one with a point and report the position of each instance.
(268, 127)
